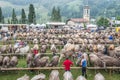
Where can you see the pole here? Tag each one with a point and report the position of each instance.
(104, 17)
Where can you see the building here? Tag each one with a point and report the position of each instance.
(92, 27)
(86, 13)
(12, 27)
(80, 21)
(57, 25)
(76, 22)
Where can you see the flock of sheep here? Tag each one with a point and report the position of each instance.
(72, 41)
(7, 62)
(54, 75)
(92, 45)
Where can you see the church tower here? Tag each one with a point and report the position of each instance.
(86, 13)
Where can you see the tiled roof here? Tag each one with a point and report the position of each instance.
(78, 20)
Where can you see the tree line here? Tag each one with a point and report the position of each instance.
(31, 18)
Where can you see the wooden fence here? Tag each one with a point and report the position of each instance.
(60, 68)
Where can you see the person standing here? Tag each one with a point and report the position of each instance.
(35, 51)
(79, 54)
(84, 65)
(111, 38)
(105, 50)
(67, 64)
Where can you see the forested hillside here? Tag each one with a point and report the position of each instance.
(69, 8)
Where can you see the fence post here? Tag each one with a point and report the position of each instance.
(110, 72)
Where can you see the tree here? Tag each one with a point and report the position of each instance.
(118, 17)
(103, 22)
(14, 18)
(55, 15)
(31, 15)
(23, 17)
(58, 14)
(3, 21)
(8, 21)
(1, 15)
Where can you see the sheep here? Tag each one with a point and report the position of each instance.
(25, 77)
(39, 77)
(80, 78)
(13, 61)
(99, 76)
(54, 75)
(6, 62)
(67, 76)
(54, 61)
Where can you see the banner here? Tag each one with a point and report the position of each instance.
(117, 29)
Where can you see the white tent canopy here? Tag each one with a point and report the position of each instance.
(43, 25)
(32, 25)
(37, 25)
(92, 27)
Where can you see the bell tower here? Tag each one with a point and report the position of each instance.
(86, 11)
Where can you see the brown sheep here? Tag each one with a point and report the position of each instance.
(1, 60)
(29, 60)
(41, 62)
(95, 60)
(110, 61)
(13, 61)
(54, 61)
(6, 62)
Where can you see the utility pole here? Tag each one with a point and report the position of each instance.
(104, 17)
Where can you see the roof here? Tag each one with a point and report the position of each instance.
(78, 20)
(14, 24)
(56, 23)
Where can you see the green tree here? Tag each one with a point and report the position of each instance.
(55, 15)
(3, 21)
(14, 18)
(118, 17)
(31, 15)
(58, 14)
(23, 17)
(0, 15)
(8, 21)
(103, 22)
